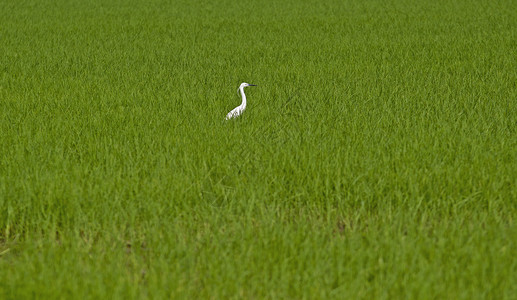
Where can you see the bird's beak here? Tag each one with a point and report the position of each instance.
(252, 84)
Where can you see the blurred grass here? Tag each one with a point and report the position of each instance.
(376, 158)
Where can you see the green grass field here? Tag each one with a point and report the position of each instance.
(377, 158)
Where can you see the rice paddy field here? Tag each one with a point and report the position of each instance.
(377, 158)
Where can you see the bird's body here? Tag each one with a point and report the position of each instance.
(239, 109)
(236, 111)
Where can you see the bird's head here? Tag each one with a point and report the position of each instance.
(244, 84)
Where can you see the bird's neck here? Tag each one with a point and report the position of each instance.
(243, 104)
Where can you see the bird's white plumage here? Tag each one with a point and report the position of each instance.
(239, 109)
(235, 112)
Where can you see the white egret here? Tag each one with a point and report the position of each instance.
(239, 109)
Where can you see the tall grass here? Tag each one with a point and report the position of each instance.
(376, 159)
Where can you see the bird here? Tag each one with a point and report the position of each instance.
(239, 109)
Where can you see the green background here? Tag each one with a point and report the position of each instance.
(377, 157)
